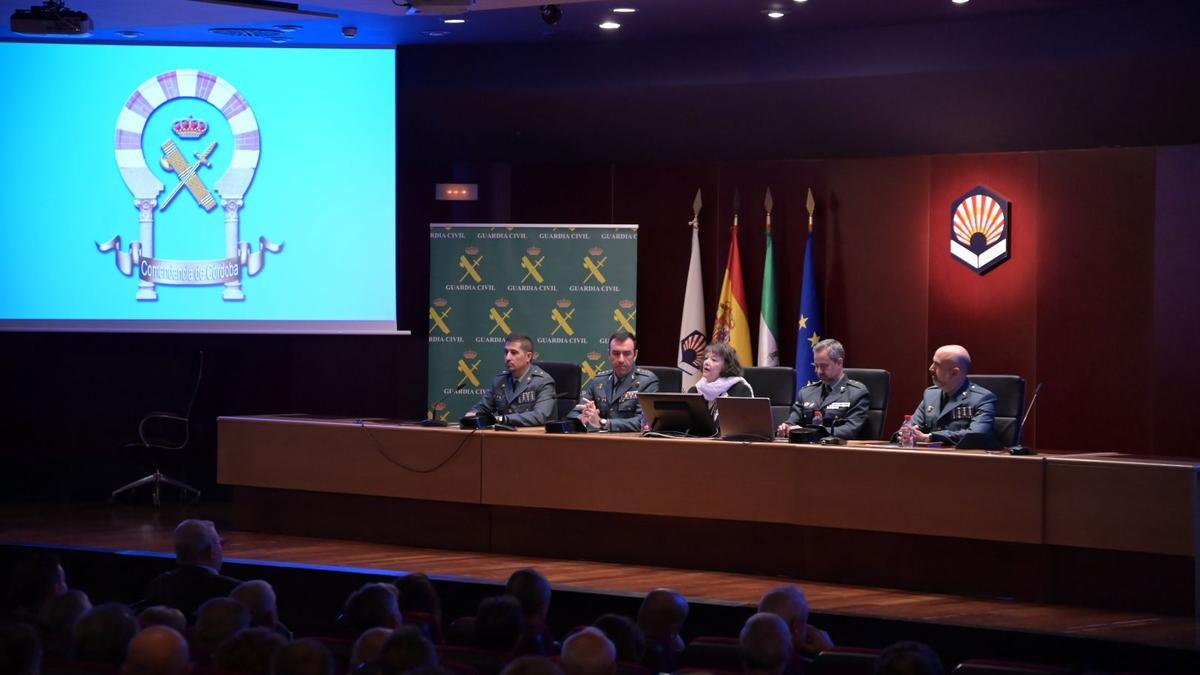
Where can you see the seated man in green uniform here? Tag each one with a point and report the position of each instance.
(521, 396)
(609, 402)
(843, 402)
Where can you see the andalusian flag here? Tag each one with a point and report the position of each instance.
(809, 331)
(768, 346)
(731, 325)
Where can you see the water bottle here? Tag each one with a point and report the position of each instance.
(818, 419)
(907, 438)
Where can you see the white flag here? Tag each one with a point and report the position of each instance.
(692, 340)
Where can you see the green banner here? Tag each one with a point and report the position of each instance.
(566, 286)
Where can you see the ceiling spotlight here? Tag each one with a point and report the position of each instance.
(799, 0)
(550, 14)
(624, 10)
(959, 2)
(775, 14)
(454, 20)
(609, 25)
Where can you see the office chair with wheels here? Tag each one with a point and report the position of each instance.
(160, 432)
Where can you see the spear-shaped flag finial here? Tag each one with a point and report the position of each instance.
(812, 206)
(769, 205)
(696, 203)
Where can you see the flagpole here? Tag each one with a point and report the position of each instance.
(768, 343)
(692, 340)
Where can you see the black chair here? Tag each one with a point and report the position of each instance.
(1010, 404)
(567, 377)
(879, 384)
(162, 433)
(777, 383)
(669, 379)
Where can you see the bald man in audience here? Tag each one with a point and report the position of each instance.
(765, 645)
(258, 597)
(661, 618)
(158, 650)
(790, 605)
(954, 406)
(368, 646)
(589, 652)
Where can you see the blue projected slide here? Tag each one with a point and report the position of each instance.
(197, 189)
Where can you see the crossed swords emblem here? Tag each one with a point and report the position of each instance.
(593, 268)
(173, 160)
(591, 371)
(532, 268)
(439, 320)
(468, 373)
(561, 320)
(501, 321)
(470, 267)
(625, 320)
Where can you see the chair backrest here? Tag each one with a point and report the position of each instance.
(669, 379)
(994, 667)
(1010, 404)
(567, 377)
(845, 660)
(879, 384)
(777, 383)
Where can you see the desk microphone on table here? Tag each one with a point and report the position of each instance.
(1019, 449)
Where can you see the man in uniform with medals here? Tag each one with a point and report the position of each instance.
(521, 396)
(609, 402)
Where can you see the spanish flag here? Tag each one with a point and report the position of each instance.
(731, 325)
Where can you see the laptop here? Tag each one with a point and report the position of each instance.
(745, 419)
(676, 414)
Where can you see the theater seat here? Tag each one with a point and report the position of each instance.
(567, 376)
(879, 384)
(669, 379)
(486, 662)
(845, 660)
(1010, 404)
(993, 667)
(711, 652)
(777, 383)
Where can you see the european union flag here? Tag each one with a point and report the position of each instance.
(808, 332)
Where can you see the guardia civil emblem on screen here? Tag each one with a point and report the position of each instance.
(187, 142)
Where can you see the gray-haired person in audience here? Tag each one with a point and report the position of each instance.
(373, 605)
(790, 604)
(589, 652)
(368, 645)
(199, 554)
(248, 652)
(258, 597)
(217, 620)
(57, 621)
(103, 633)
(765, 645)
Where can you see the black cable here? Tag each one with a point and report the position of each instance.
(380, 449)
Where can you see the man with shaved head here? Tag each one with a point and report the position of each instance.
(953, 407)
(790, 604)
(158, 650)
(589, 652)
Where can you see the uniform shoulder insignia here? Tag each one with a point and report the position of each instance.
(603, 373)
(856, 383)
(931, 387)
(646, 373)
(811, 385)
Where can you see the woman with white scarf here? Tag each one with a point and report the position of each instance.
(721, 376)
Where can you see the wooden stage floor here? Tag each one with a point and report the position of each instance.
(144, 528)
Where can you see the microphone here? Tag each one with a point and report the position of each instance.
(434, 421)
(1020, 449)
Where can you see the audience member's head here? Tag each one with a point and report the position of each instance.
(103, 633)
(532, 590)
(302, 657)
(258, 597)
(161, 615)
(407, 649)
(908, 658)
(217, 620)
(789, 604)
(417, 594)
(33, 581)
(20, 649)
(158, 650)
(197, 543)
(248, 652)
(765, 645)
(531, 665)
(662, 614)
(372, 606)
(499, 622)
(589, 652)
(368, 645)
(625, 635)
(58, 618)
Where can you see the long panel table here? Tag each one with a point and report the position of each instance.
(1049, 527)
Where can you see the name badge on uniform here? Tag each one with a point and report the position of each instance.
(629, 395)
(840, 405)
(526, 397)
(809, 404)
(963, 412)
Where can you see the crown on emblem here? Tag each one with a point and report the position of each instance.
(190, 127)
(470, 354)
(533, 250)
(471, 250)
(440, 302)
(439, 406)
(563, 304)
(502, 302)
(595, 251)
(625, 304)
(594, 356)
